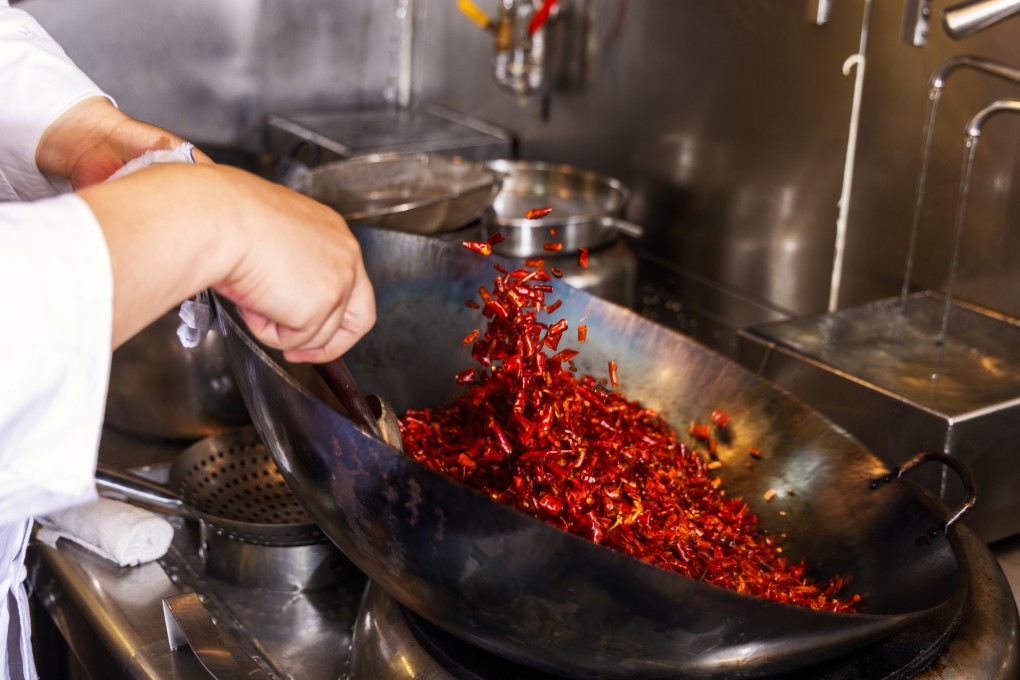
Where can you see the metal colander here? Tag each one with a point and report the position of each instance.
(230, 479)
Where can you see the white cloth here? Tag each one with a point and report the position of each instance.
(56, 319)
(112, 529)
(185, 153)
(196, 315)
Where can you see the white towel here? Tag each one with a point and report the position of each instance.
(196, 315)
(113, 529)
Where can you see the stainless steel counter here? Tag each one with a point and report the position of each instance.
(112, 617)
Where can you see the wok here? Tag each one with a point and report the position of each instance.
(526, 591)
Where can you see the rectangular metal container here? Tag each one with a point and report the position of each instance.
(879, 371)
(426, 128)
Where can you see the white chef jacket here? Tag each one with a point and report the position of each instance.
(55, 319)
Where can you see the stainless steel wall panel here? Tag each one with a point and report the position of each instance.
(729, 121)
(211, 70)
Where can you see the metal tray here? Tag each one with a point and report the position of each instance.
(877, 370)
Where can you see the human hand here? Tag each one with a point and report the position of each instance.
(290, 264)
(93, 139)
(301, 285)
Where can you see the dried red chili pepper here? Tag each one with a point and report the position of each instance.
(719, 417)
(582, 258)
(699, 431)
(553, 246)
(537, 213)
(532, 435)
(470, 337)
(480, 247)
(612, 375)
(582, 332)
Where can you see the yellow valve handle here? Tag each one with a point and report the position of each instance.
(474, 13)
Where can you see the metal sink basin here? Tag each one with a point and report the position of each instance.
(878, 371)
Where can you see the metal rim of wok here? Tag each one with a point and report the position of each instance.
(526, 591)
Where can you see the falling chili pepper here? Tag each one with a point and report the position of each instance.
(553, 246)
(537, 213)
(582, 258)
(612, 375)
(719, 417)
(582, 332)
(699, 431)
(480, 247)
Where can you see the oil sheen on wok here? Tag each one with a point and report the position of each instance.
(574, 452)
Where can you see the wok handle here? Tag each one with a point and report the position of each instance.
(635, 231)
(339, 379)
(958, 467)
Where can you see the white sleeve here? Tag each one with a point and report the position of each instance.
(39, 83)
(55, 335)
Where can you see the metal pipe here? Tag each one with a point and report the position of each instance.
(968, 18)
(982, 116)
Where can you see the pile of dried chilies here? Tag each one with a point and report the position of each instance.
(580, 456)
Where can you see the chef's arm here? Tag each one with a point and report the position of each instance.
(93, 139)
(290, 264)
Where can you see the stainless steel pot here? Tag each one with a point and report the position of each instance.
(586, 209)
(159, 388)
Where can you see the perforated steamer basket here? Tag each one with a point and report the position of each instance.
(253, 530)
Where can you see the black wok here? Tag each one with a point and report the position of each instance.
(524, 590)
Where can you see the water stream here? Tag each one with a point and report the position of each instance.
(938, 82)
(970, 147)
(934, 95)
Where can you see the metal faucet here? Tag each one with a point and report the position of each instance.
(993, 68)
(519, 53)
(959, 21)
(968, 18)
(982, 116)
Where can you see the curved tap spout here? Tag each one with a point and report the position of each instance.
(982, 116)
(968, 18)
(939, 76)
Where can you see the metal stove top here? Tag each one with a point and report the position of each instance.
(355, 631)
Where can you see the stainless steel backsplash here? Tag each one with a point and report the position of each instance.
(729, 120)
